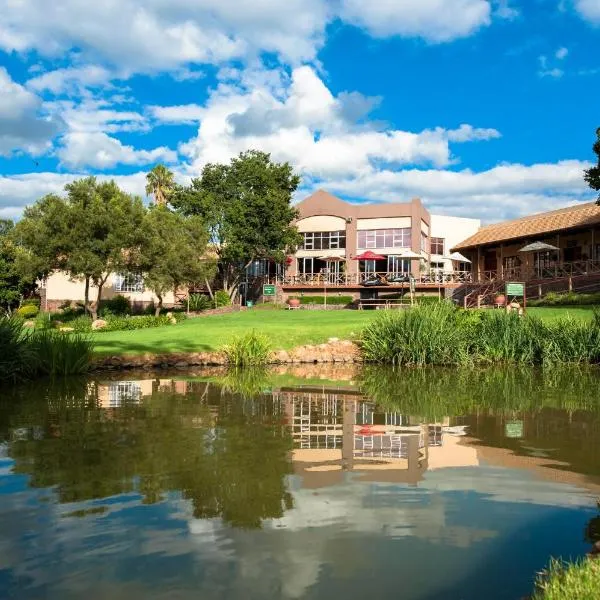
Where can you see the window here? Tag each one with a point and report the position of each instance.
(128, 282)
(398, 265)
(511, 262)
(258, 268)
(384, 238)
(424, 242)
(123, 390)
(437, 246)
(324, 240)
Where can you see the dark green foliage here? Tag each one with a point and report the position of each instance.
(33, 353)
(444, 335)
(200, 302)
(31, 302)
(12, 285)
(117, 305)
(592, 175)
(222, 299)
(568, 299)
(333, 300)
(124, 323)
(247, 206)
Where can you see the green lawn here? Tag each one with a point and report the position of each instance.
(286, 329)
(551, 314)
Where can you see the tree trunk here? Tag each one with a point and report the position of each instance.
(159, 305)
(95, 306)
(210, 292)
(86, 297)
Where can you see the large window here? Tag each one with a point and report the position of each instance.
(424, 242)
(437, 246)
(384, 238)
(324, 240)
(128, 282)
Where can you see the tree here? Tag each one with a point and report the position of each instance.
(11, 284)
(93, 232)
(160, 183)
(247, 208)
(592, 175)
(173, 252)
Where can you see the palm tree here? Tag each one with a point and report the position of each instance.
(160, 183)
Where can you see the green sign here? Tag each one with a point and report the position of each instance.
(513, 429)
(515, 289)
(268, 290)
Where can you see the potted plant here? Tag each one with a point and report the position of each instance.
(293, 302)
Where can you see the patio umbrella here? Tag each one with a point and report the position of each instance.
(458, 257)
(409, 254)
(538, 247)
(368, 255)
(332, 258)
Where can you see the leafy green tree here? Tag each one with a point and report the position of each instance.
(160, 183)
(592, 175)
(92, 232)
(11, 284)
(247, 208)
(173, 253)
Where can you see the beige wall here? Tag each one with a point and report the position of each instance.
(321, 223)
(59, 286)
(454, 230)
(383, 223)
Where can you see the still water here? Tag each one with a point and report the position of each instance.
(310, 484)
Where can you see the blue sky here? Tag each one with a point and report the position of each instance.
(482, 108)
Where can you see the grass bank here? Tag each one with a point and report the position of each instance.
(579, 581)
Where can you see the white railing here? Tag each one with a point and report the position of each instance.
(374, 279)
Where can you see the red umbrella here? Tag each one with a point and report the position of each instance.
(368, 255)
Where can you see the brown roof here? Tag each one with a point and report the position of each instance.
(572, 217)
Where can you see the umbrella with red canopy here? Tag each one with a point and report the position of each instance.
(368, 255)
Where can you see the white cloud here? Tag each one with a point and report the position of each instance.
(589, 10)
(182, 113)
(562, 53)
(546, 70)
(297, 118)
(98, 150)
(433, 20)
(504, 10)
(71, 80)
(23, 126)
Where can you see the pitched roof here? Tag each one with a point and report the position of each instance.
(572, 217)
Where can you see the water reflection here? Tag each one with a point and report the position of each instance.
(259, 484)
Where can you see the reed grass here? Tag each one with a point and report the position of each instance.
(249, 349)
(577, 581)
(442, 334)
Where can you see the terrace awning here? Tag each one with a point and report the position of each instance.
(332, 258)
(409, 254)
(458, 257)
(368, 255)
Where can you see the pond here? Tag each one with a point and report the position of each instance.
(314, 483)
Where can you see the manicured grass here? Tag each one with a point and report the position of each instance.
(579, 581)
(552, 314)
(285, 328)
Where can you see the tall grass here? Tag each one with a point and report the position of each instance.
(445, 335)
(561, 581)
(249, 349)
(26, 353)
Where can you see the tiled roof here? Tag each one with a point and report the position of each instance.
(573, 217)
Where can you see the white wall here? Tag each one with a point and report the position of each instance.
(383, 223)
(453, 230)
(321, 223)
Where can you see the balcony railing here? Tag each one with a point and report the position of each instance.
(374, 279)
(557, 271)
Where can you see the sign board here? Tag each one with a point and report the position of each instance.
(515, 289)
(513, 429)
(413, 284)
(268, 290)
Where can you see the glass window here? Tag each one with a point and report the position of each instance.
(324, 240)
(424, 242)
(437, 246)
(384, 238)
(128, 282)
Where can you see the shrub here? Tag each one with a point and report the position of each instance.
(82, 323)
(17, 359)
(61, 353)
(117, 305)
(199, 302)
(43, 321)
(31, 302)
(333, 300)
(28, 311)
(120, 323)
(222, 299)
(250, 349)
(420, 336)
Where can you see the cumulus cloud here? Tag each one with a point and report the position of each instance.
(298, 119)
(182, 113)
(23, 126)
(589, 10)
(100, 151)
(433, 20)
(70, 80)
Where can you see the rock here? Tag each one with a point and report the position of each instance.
(99, 324)
(169, 315)
(172, 320)
(333, 340)
(181, 365)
